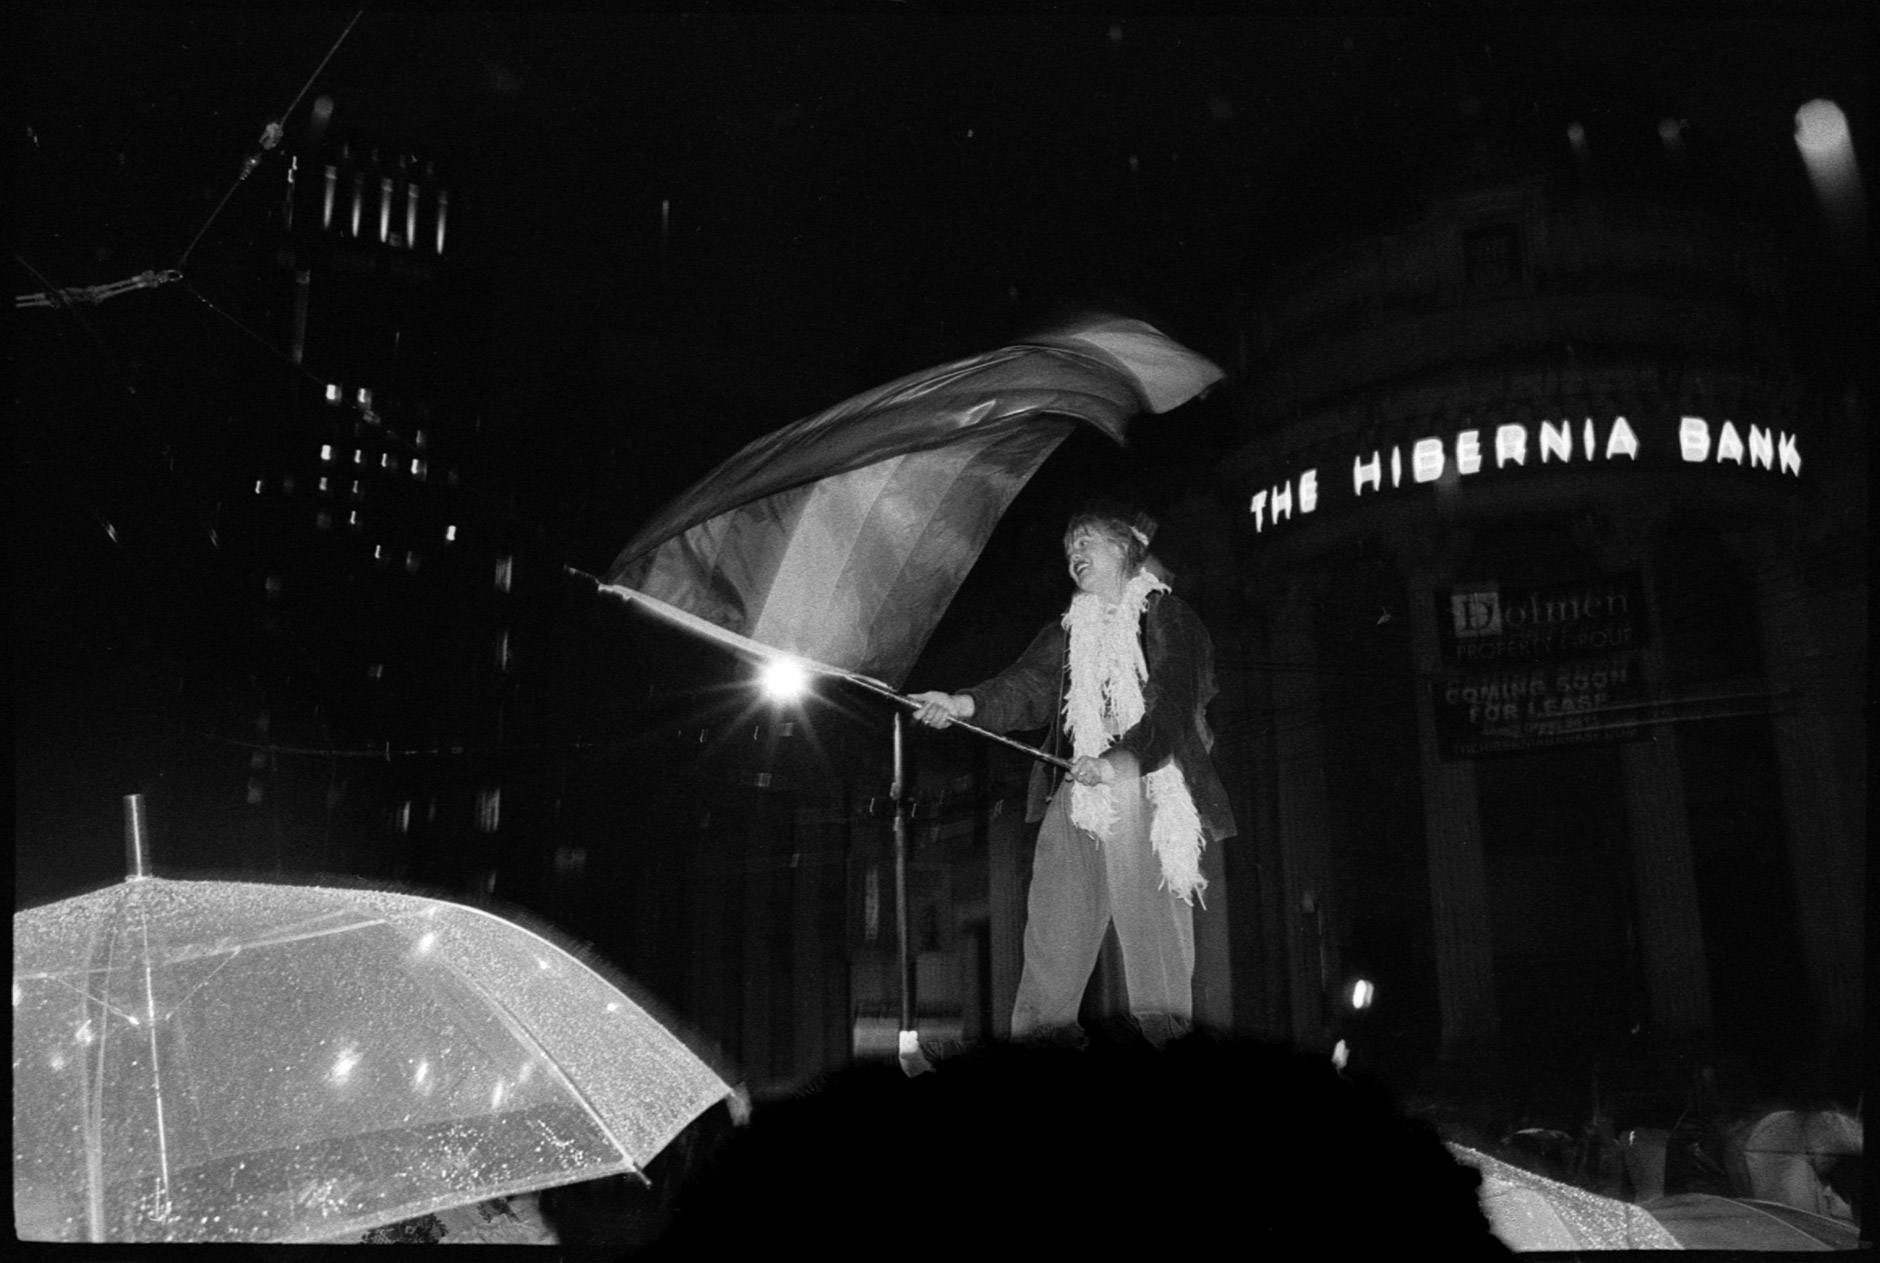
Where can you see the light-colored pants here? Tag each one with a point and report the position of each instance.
(1078, 886)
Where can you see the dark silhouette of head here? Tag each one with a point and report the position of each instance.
(1109, 1148)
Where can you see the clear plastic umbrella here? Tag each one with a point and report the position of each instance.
(1531, 1212)
(226, 1061)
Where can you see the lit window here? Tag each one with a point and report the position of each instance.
(503, 658)
(258, 482)
(359, 193)
(359, 456)
(411, 214)
(420, 440)
(326, 484)
(365, 396)
(505, 569)
(411, 563)
(404, 816)
(333, 392)
(489, 808)
(378, 552)
(358, 492)
(385, 460)
(326, 451)
(352, 519)
(326, 210)
(376, 671)
(418, 470)
(450, 533)
(443, 208)
(385, 208)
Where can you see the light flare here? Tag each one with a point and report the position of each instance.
(784, 680)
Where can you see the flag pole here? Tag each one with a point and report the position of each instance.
(744, 644)
(877, 686)
(909, 1043)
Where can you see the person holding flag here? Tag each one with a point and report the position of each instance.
(1123, 680)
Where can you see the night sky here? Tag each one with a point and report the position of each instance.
(855, 196)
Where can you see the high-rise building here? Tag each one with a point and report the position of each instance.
(380, 591)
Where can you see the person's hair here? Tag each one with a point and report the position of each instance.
(1129, 527)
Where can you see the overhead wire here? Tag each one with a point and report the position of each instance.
(93, 294)
(270, 137)
(57, 296)
(385, 751)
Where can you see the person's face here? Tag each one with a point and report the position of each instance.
(1096, 561)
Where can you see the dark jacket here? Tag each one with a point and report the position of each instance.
(1180, 657)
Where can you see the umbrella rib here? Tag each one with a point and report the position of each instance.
(528, 1040)
(283, 938)
(207, 979)
(156, 1070)
(87, 992)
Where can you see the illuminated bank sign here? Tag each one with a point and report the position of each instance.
(1532, 666)
(1509, 447)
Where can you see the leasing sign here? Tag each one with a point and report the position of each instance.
(1533, 666)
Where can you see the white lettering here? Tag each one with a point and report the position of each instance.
(1762, 448)
(1362, 473)
(1468, 452)
(1694, 438)
(1556, 440)
(1621, 440)
(1510, 445)
(1426, 460)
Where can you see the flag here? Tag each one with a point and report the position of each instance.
(841, 538)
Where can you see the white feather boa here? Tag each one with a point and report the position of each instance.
(1105, 699)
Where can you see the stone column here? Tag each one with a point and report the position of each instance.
(1826, 854)
(1214, 971)
(1452, 822)
(1304, 827)
(1665, 908)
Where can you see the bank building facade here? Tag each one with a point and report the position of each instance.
(1551, 545)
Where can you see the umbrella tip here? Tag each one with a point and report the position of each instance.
(136, 838)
